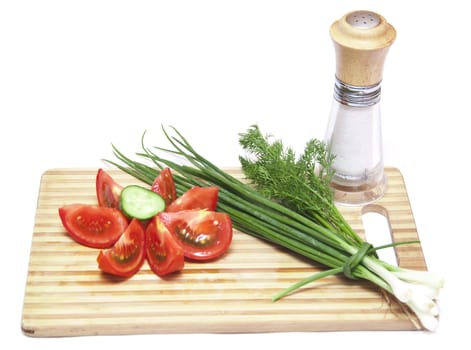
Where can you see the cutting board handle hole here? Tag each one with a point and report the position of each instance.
(377, 228)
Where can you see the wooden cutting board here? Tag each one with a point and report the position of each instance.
(67, 295)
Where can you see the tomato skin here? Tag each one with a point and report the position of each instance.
(204, 235)
(93, 226)
(196, 198)
(107, 190)
(163, 253)
(127, 255)
(165, 186)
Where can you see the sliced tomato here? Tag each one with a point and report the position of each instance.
(203, 234)
(196, 198)
(93, 226)
(127, 255)
(107, 190)
(165, 186)
(163, 253)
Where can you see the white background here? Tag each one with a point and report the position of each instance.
(76, 76)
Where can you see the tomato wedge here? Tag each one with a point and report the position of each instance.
(93, 226)
(163, 253)
(196, 198)
(107, 190)
(164, 186)
(204, 235)
(127, 255)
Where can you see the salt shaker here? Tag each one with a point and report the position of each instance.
(361, 40)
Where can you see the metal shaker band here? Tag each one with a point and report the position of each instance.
(357, 96)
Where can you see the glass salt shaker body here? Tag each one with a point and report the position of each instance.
(354, 136)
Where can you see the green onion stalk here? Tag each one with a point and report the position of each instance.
(308, 223)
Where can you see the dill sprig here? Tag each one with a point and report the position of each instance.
(301, 183)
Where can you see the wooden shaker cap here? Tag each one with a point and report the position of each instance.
(361, 40)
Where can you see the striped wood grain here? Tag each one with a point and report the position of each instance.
(67, 295)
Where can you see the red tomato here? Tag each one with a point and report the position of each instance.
(164, 186)
(127, 255)
(93, 226)
(107, 190)
(203, 234)
(163, 253)
(196, 198)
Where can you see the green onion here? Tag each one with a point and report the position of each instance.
(257, 215)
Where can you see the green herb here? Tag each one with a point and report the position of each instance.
(300, 183)
(317, 231)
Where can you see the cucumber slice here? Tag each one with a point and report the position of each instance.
(140, 203)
